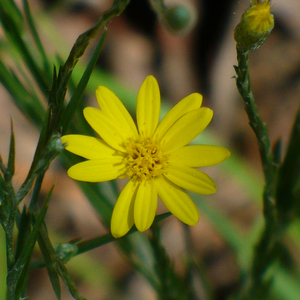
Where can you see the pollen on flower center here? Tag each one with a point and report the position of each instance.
(144, 159)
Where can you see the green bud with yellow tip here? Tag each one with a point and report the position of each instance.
(255, 26)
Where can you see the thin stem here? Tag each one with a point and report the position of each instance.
(263, 258)
(9, 228)
(255, 121)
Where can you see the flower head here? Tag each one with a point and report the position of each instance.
(255, 26)
(152, 155)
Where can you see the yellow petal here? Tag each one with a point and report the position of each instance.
(122, 216)
(148, 107)
(110, 131)
(113, 107)
(177, 201)
(87, 146)
(145, 205)
(191, 179)
(186, 129)
(184, 106)
(98, 170)
(199, 155)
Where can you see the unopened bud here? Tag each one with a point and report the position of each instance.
(66, 251)
(255, 26)
(179, 18)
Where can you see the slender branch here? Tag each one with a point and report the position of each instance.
(257, 282)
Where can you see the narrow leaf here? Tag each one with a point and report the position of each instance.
(14, 35)
(13, 10)
(289, 175)
(48, 258)
(15, 273)
(10, 170)
(36, 39)
(27, 102)
(77, 96)
(24, 226)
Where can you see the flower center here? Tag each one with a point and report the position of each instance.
(144, 159)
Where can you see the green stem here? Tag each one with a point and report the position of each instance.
(9, 228)
(59, 87)
(262, 259)
(255, 121)
(85, 246)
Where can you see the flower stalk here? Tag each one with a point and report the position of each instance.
(256, 280)
(255, 26)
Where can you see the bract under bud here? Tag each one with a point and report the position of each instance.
(255, 26)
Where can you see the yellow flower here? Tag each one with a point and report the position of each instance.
(255, 26)
(153, 156)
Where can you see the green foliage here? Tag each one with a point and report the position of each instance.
(279, 202)
(30, 223)
(287, 192)
(266, 264)
(170, 285)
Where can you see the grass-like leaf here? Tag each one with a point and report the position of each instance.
(13, 34)
(72, 106)
(15, 273)
(27, 102)
(170, 285)
(10, 170)
(55, 266)
(13, 10)
(49, 259)
(289, 177)
(24, 227)
(37, 40)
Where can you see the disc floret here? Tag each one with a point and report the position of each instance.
(144, 159)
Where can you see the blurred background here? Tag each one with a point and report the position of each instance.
(199, 60)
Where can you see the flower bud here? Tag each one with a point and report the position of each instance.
(179, 18)
(66, 251)
(255, 26)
